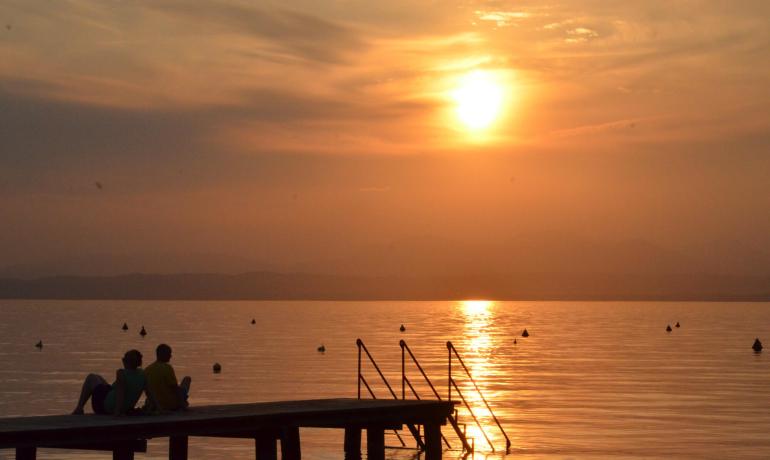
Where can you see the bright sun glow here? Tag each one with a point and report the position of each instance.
(479, 99)
(476, 307)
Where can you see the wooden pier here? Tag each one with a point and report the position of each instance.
(269, 424)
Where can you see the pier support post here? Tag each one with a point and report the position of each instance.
(375, 443)
(177, 448)
(123, 453)
(432, 441)
(265, 445)
(290, 449)
(352, 443)
(26, 453)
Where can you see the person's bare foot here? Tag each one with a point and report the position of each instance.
(78, 412)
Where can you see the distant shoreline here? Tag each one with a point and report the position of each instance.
(301, 286)
(136, 299)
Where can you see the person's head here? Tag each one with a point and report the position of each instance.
(132, 359)
(163, 353)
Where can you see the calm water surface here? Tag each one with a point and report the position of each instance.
(594, 380)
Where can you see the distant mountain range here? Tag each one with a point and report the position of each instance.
(267, 285)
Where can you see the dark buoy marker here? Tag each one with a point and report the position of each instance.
(525, 333)
(125, 327)
(142, 332)
(757, 346)
(668, 328)
(677, 324)
(514, 341)
(322, 349)
(253, 321)
(402, 328)
(39, 345)
(217, 368)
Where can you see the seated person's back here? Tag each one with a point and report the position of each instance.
(120, 397)
(162, 382)
(134, 386)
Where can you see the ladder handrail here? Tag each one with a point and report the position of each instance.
(451, 349)
(475, 419)
(404, 346)
(404, 379)
(361, 345)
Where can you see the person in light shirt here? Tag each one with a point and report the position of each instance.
(168, 394)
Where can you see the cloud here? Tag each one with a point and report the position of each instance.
(338, 76)
(612, 126)
(299, 34)
(502, 18)
(157, 54)
(737, 124)
(580, 34)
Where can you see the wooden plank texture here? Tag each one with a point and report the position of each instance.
(219, 420)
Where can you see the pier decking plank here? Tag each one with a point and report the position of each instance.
(240, 420)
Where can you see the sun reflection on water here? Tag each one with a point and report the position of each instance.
(477, 353)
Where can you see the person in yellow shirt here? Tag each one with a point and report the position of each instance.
(161, 380)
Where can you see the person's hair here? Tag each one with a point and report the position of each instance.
(132, 359)
(162, 348)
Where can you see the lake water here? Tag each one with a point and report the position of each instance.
(593, 380)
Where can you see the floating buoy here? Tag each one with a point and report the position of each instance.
(677, 324)
(253, 321)
(217, 368)
(402, 328)
(525, 333)
(757, 345)
(142, 332)
(39, 344)
(514, 341)
(322, 348)
(668, 328)
(125, 327)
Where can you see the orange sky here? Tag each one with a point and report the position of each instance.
(324, 136)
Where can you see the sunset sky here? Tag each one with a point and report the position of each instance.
(385, 137)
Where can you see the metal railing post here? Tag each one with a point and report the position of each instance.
(403, 372)
(449, 383)
(358, 343)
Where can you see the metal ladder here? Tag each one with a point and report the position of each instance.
(412, 429)
(453, 383)
(459, 428)
(461, 433)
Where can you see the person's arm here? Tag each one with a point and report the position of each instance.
(178, 390)
(120, 391)
(154, 406)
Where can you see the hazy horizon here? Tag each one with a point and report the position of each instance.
(330, 137)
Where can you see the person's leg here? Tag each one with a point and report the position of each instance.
(91, 382)
(184, 386)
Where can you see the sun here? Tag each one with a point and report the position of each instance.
(478, 100)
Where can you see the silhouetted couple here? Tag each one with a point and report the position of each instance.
(158, 382)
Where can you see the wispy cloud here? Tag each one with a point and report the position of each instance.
(502, 18)
(580, 34)
(599, 128)
(300, 34)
